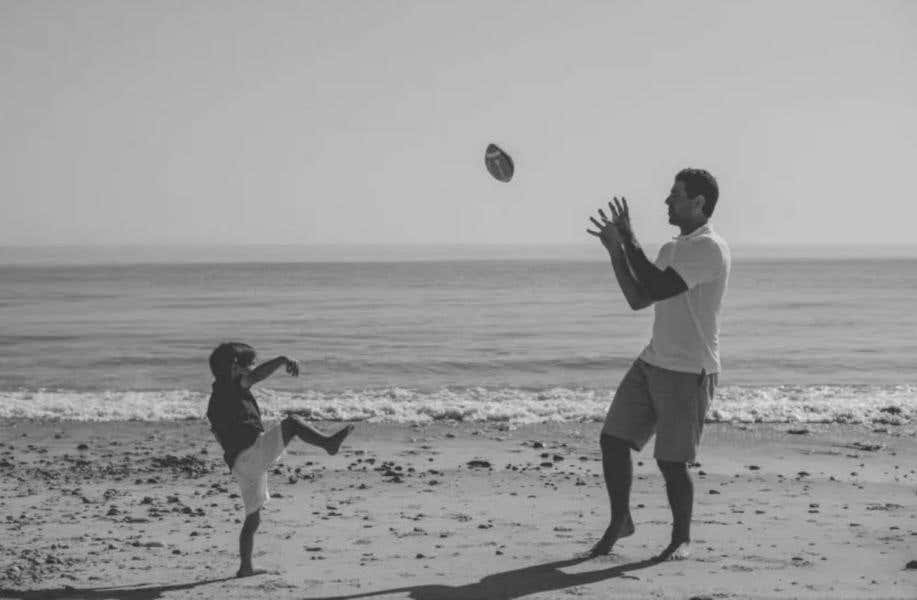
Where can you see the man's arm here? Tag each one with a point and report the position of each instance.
(607, 233)
(658, 284)
(266, 369)
(636, 295)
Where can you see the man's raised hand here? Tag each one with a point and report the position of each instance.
(607, 231)
(620, 217)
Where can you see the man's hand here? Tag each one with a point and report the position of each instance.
(608, 232)
(292, 367)
(620, 218)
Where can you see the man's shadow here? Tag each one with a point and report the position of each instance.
(134, 592)
(510, 584)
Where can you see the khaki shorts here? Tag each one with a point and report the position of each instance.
(250, 468)
(670, 404)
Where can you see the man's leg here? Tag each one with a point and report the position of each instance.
(619, 472)
(246, 543)
(629, 424)
(293, 426)
(680, 490)
(681, 402)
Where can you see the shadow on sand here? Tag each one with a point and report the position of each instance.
(508, 585)
(134, 592)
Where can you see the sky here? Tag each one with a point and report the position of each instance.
(343, 122)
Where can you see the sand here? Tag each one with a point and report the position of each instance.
(449, 511)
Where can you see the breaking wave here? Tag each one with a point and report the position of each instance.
(893, 405)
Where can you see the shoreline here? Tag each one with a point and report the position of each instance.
(889, 405)
(400, 513)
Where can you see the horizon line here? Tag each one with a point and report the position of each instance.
(276, 253)
(104, 245)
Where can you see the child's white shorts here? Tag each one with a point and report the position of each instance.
(250, 467)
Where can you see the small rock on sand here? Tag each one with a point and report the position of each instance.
(866, 447)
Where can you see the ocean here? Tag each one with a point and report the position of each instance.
(511, 336)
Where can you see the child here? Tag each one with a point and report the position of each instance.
(249, 450)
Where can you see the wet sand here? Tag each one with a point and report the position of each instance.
(453, 511)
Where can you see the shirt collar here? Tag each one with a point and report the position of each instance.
(702, 230)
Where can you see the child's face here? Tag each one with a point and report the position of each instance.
(239, 370)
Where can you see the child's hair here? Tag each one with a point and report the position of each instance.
(227, 354)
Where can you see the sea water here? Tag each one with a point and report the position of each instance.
(517, 337)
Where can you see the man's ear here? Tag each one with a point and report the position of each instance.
(699, 202)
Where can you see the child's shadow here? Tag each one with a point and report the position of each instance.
(135, 592)
(510, 584)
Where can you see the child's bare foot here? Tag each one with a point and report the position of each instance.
(249, 572)
(677, 550)
(333, 443)
(615, 531)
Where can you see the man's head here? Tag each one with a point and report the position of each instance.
(229, 359)
(693, 197)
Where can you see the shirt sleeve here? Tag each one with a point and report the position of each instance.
(662, 257)
(698, 262)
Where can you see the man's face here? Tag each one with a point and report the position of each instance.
(681, 208)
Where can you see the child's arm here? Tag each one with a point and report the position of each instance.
(266, 369)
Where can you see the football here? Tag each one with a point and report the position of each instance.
(498, 163)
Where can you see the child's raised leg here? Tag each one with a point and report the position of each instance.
(293, 425)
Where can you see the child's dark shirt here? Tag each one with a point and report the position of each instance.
(235, 418)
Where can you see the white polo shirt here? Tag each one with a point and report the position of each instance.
(686, 327)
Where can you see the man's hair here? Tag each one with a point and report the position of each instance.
(228, 353)
(700, 182)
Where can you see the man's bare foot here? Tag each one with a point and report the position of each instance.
(615, 531)
(333, 443)
(677, 550)
(249, 572)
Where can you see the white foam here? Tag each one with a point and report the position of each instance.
(783, 404)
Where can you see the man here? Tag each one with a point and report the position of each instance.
(670, 386)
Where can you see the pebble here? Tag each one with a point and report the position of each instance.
(867, 447)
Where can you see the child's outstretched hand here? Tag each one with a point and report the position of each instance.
(292, 367)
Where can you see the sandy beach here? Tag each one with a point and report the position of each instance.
(453, 511)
